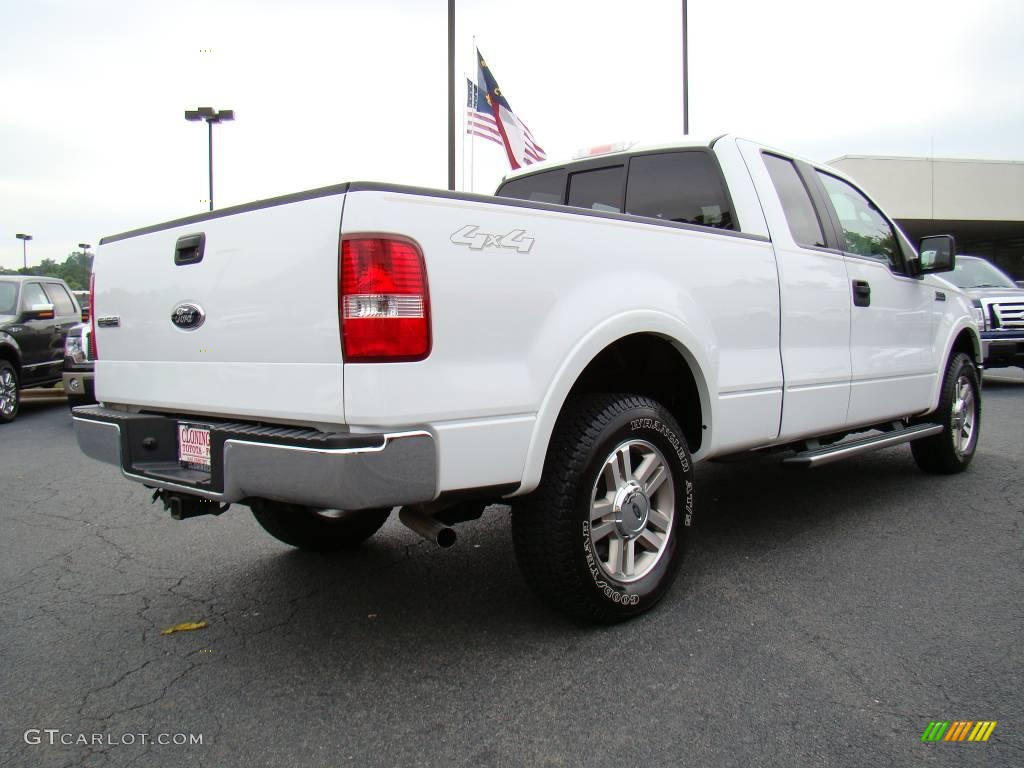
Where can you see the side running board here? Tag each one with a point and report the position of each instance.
(818, 456)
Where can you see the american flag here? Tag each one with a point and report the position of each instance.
(489, 116)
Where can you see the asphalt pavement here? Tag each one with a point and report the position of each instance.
(822, 618)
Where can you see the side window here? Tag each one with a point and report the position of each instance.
(599, 190)
(32, 295)
(678, 186)
(547, 187)
(866, 230)
(60, 299)
(796, 201)
(9, 298)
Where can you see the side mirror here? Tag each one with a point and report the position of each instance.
(937, 253)
(40, 312)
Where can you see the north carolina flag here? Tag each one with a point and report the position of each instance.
(490, 116)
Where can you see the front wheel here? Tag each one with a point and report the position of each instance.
(959, 412)
(10, 395)
(317, 530)
(602, 537)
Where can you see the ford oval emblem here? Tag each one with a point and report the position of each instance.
(188, 316)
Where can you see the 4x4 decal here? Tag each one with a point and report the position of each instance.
(471, 237)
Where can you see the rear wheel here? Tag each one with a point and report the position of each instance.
(602, 537)
(10, 394)
(317, 530)
(959, 412)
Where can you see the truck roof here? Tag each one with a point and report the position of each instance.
(25, 278)
(614, 150)
(688, 142)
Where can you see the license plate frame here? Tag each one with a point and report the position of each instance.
(194, 446)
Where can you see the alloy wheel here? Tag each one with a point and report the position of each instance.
(8, 392)
(632, 509)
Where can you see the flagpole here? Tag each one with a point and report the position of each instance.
(472, 144)
(451, 94)
(686, 77)
(465, 130)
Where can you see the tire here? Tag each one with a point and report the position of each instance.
(573, 558)
(10, 393)
(317, 530)
(959, 412)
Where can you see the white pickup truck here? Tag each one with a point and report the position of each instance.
(572, 346)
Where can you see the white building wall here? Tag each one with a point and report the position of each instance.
(921, 188)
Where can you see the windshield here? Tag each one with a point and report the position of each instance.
(977, 273)
(8, 297)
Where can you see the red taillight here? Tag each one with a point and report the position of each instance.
(383, 302)
(92, 317)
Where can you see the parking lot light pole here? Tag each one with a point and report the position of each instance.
(24, 252)
(686, 74)
(211, 116)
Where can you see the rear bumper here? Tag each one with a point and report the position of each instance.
(301, 466)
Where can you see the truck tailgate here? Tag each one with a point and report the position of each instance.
(268, 345)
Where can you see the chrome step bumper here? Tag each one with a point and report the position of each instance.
(300, 466)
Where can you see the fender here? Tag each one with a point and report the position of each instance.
(9, 343)
(586, 349)
(959, 325)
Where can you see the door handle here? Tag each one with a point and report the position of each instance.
(861, 293)
(189, 249)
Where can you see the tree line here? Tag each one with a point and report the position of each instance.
(74, 271)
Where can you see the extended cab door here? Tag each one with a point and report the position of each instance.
(814, 333)
(892, 320)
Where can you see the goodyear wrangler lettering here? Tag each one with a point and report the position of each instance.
(610, 592)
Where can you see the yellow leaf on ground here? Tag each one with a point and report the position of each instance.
(187, 626)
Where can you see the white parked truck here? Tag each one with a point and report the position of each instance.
(572, 346)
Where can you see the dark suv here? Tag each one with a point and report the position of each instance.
(35, 316)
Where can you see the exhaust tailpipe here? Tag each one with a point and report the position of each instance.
(428, 527)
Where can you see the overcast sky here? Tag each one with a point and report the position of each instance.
(93, 140)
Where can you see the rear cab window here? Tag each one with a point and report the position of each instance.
(598, 190)
(546, 187)
(683, 186)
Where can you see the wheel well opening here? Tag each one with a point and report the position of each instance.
(965, 343)
(645, 364)
(11, 357)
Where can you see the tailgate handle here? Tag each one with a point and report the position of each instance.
(189, 249)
